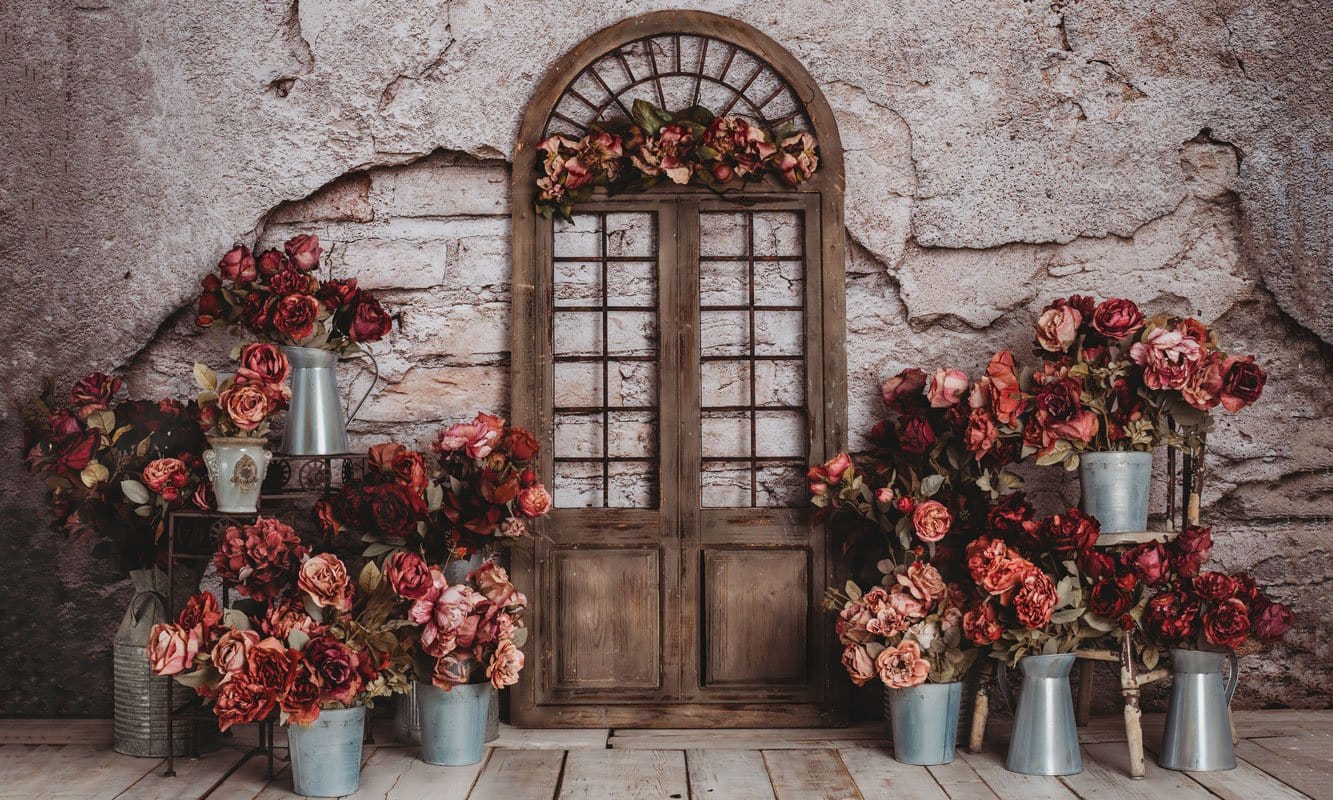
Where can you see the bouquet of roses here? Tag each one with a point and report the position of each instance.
(115, 466)
(466, 633)
(243, 404)
(906, 631)
(278, 298)
(1110, 379)
(388, 506)
(487, 476)
(922, 486)
(306, 639)
(688, 146)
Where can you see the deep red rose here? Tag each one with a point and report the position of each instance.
(917, 436)
(394, 508)
(905, 505)
(291, 281)
(1242, 382)
(903, 392)
(93, 393)
(1058, 401)
(238, 266)
(408, 575)
(1171, 618)
(1035, 599)
(981, 625)
(303, 251)
(1108, 600)
(261, 559)
(1227, 624)
(334, 665)
(242, 700)
(370, 322)
(1117, 318)
(270, 663)
(1149, 562)
(271, 262)
(1271, 622)
(523, 446)
(201, 611)
(337, 294)
(257, 310)
(1068, 533)
(295, 315)
(68, 454)
(1190, 550)
(1005, 519)
(1246, 587)
(1095, 565)
(1214, 586)
(301, 700)
(63, 423)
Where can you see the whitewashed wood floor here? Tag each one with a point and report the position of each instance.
(1283, 755)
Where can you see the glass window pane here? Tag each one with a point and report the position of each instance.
(725, 484)
(725, 434)
(724, 383)
(781, 486)
(780, 433)
(724, 333)
(577, 485)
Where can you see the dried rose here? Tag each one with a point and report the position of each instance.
(902, 666)
(303, 251)
(232, 651)
(238, 266)
(1057, 327)
(1117, 319)
(505, 664)
(947, 387)
(323, 578)
(172, 649)
(93, 393)
(534, 501)
(1242, 382)
(1227, 624)
(931, 521)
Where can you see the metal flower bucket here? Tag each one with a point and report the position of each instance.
(237, 467)
(453, 723)
(1115, 489)
(326, 756)
(1044, 739)
(924, 720)
(315, 423)
(1198, 722)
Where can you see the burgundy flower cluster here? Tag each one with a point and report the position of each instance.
(277, 297)
(691, 146)
(389, 501)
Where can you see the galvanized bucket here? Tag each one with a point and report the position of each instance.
(453, 723)
(326, 756)
(1044, 739)
(139, 727)
(1115, 489)
(924, 720)
(237, 467)
(1198, 723)
(315, 423)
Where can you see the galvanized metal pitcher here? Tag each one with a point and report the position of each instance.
(1044, 739)
(326, 755)
(315, 423)
(924, 720)
(453, 723)
(1198, 723)
(1115, 489)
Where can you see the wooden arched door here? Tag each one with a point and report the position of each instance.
(680, 354)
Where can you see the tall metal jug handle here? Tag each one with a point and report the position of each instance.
(375, 365)
(1234, 678)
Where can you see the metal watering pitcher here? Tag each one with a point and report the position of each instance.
(1198, 721)
(315, 424)
(1044, 740)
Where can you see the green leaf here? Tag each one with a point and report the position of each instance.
(645, 115)
(236, 619)
(378, 549)
(931, 484)
(135, 492)
(197, 678)
(297, 639)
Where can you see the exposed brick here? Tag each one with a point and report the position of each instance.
(442, 186)
(391, 263)
(345, 200)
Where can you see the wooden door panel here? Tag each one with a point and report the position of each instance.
(756, 604)
(608, 618)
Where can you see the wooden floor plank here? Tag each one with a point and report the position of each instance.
(989, 764)
(960, 782)
(398, 773)
(879, 776)
(512, 738)
(1106, 774)
(624, 775)
(870, 734)
(76, 772)
(56, 731)
(1246, 782)
(809, 775)
(519, 775)
(249, 779)
(194, 777)
(1303, 772)
(728, 775)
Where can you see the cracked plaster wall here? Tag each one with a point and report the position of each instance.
(998, 154)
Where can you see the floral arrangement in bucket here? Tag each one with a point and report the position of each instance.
(115, 466)
(689, 146)
(277, 297)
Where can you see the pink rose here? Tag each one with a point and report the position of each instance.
(853, 621)
(1117, 319)
(981, 434)
(903, 390)
(1203, 390)
(1035, 599)
(534, 501)
(923, 581)
(837, 466)
(1242, 382)
(860, 666)
(475, 438)
(981, 625)
(408, 575)
(512, 528)
(263, 364)
(163, 473)
(947, 387)
(1168, 357)
(1005, 393)
(453, 669)
(172, 649)
(1149, 562)
(246, 405)
(902, 667)
(884, 496)
(931, 521)
(323, 578)
(1057, 327)
(1272, 622)
(232, 652)
(303, 251)
(238, 266)
(493, 583)
(505, 664)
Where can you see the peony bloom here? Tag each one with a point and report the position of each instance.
(853, 621)
(163, 474)
(93, 393)
(1214, 586)
(1227, 624)
(1168, 357)
(534, 501)
(1190, 550)
(1117, 319)
(981, 624)
(982, 434)
(1057, 327)
(1171, 618)
(300, 702)
(903, 391)
(334, 666)
(493, 583)
(742, 148)
(242, 700)
(1149, 562)
(270, 663)
(323, 579)
(394, 509)
(247, 405)
(295, 315)
(303, 251)
(667, 153)
(287, 615)
(475, 438)
(860, 666)
(440, 613)
(923, 581)
(264, 364)
(261, 558)
(902, 667)
(505, 664)
(408, 575)
(931, 520)
(1034, 599)
(453, 669)
(1242, 382)
(1272, 622)
(172, 649)
(232, 651)
(1007, 515)
(797, 158)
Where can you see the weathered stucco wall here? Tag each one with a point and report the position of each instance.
(998, 154)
